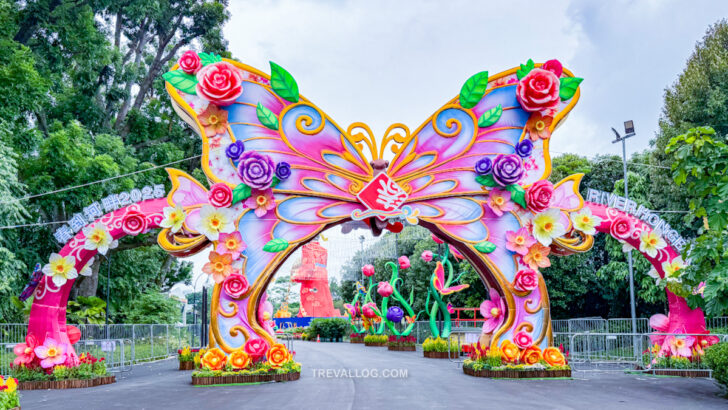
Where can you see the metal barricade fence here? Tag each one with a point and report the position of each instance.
(111, 350)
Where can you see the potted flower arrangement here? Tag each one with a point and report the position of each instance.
(678, 355)
(375, 340)
(186, 357)
(48, 366)
(9, 399)
(402, 343)
(255, 362)
(356, 338)
(510, 361)
(440, 348)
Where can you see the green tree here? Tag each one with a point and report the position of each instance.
(154, 307)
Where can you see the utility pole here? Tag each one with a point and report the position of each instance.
(628, 132)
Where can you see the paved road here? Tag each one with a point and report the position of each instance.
(429, 383)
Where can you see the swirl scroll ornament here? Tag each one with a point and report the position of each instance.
(395, 135)
(529, 310)
(362, 133)
(450, 120)
(309, 119)
(238, 329)
(527, 326)
(228, 315)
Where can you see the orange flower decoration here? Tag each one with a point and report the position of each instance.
(510, 351)
(219, 266)
(554, 357)
(278, 355)
(214, 359)
(214, 119)
(239, 359)
(538, 126)
(531, 355)
(537, 256)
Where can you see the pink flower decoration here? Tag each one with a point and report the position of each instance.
(24, 351)
(621, 228)
(455, 253)
(554, 66)
(261, 202)
(220, 195)
(385, 289)
(450, 309)
(426, 256)
(493, 311)
(368, 310)
(680, 345)
(523, 339)
(538, 91)
(219, 83)
(526, 280)
(231, 243)
(499, 201)
(519, 241)
(255, 348)
(404, 262)
(51, 353)
(661, 324)
(437, 239)
(134, 223)
(235, 285)
(538, 195)
(367, 270)
(190, 62)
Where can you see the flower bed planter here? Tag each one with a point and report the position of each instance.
(515, 374)
(681, 373)
(375, 344)
(401, 348)
(441, 355)
(66, 384)
(187, 365)
(356, 341)
(245, 378)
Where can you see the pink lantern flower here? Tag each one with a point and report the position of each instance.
(438, 281)
(24, 351)
(368, 310)
(450, 309)
(367, 270)
(499, 201)
(523, 339)
(385, 289)
(493, 311)
(661, 324)
(519, 241)
(426, 256)
(51, 353)
(231, 243)
(404, 262)
(680, 345)
(436, 239)
(261, 201)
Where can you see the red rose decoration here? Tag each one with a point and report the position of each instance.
(235, 285)
(220, 195)
(621, 228)
(190, 62)
(538, 195)
(523, 339)
(255, 348)
(220, 83)
(538, 91)
(554, 66)
(134, 223)
(526, 280)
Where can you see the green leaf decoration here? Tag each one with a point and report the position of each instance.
(486, 180)
(525, 69)
(473, 89)
(568, 86)
(181, 81)
(266, 117)
(209, 58)
(485, 247)
(490, 117)
(518, 194)
(275, 245)
(241, 193)
(283, 83)
(275, 181)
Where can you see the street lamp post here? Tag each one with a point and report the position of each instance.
(628, 132)
(108, 283)
(361, 246)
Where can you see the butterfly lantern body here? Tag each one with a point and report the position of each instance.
(281, 171)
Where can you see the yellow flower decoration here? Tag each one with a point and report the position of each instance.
(585, 222)
(214, 221)
(60, 269)
(98, 238)
(673, 269)
(547, 226)
(173, 218)
(651, 242)
(11, 385)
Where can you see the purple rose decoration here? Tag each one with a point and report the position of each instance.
(235, 150)
(483, 166)
(507, 169)
(283, 170)
(524, 148)
(395, 314)
(255, 169)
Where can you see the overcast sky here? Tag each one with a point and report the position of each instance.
(382, 62)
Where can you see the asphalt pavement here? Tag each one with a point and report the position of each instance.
(352, 376)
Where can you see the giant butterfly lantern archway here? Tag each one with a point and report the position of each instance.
(281, 171)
